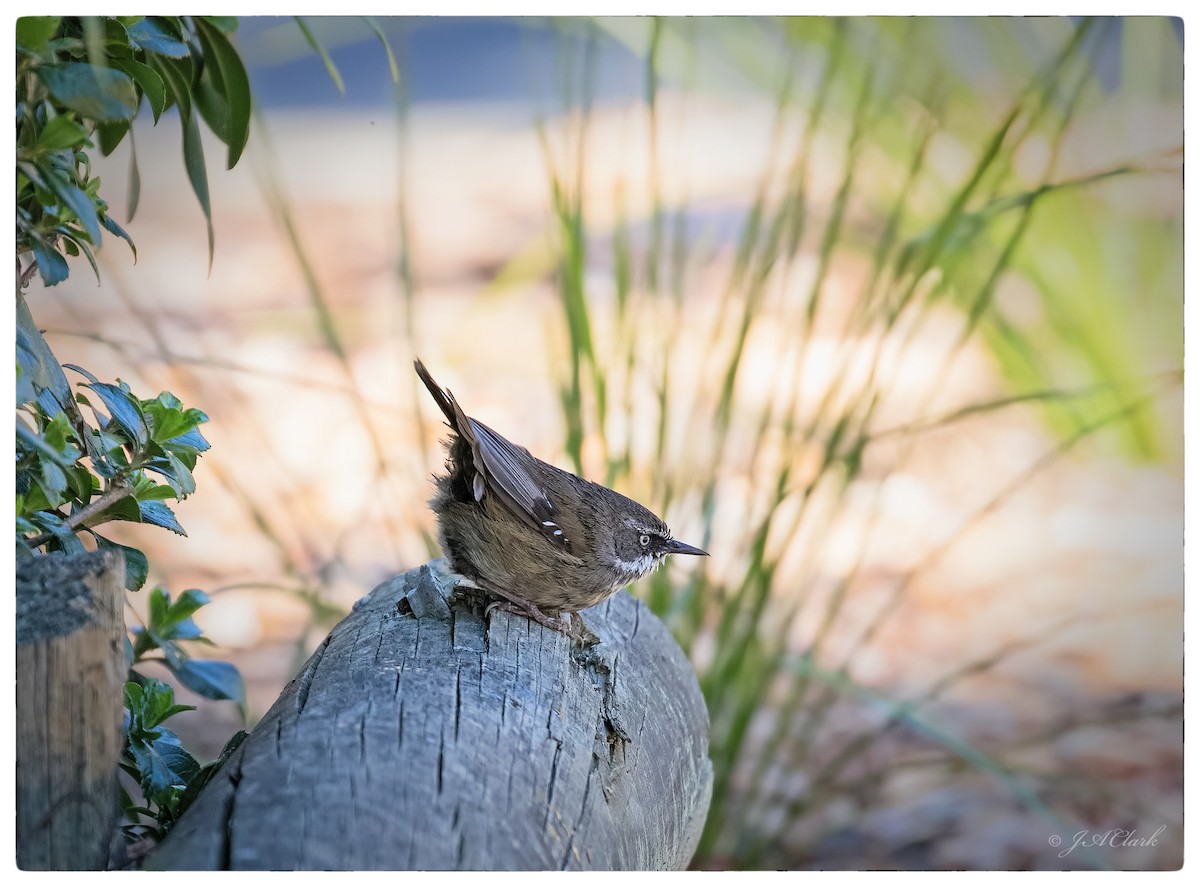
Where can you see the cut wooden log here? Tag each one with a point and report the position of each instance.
(70, 677)
(422, 735)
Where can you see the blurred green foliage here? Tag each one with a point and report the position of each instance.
(890, 99)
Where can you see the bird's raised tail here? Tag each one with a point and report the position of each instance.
(445, 400)
(499, 466)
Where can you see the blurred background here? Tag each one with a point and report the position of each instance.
(884, 313)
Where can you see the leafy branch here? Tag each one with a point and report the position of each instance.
(80, 84)
(76, 94)
(167, 774)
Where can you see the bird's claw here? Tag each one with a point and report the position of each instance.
(573, 628)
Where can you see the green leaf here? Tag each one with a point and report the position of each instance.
(111, 135)
(193, 439)
(66, 542)
(31, 441)
(34, 502)
(387, 47)
(77, 200)
(35, 31)
(186, 455)
(64, 538)
(135, 183)
(172, 652)
(128, 807)
(153, 701)
(57, 434)
(113, 228)
(25, 392)
(154, 492)
(183, 630)
(193, 160)
(135, 697)
(212, 679)
(234, 85)
(75, 244)
(330, 67)
(137, 567)
(126, 509)
(177, 75)
(62, 132)
(39, 363)
(52, 267)
(209, 99)
(92, 91)
(172, 621)
(167, 420)
(189, 602)
(160, 515)
(176, 473)
(163, 763)
(151, 82)
(116, 39)
(84, 484)
(85, 373)
(53, 482)
(147, 35)
(126, 410)
(226, 23)
(143, 643)
(171, 25)
(160, 602)
(106, 452)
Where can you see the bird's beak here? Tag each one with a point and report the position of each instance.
(674, 546)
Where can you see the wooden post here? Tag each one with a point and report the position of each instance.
(70, 677)
(422, 735)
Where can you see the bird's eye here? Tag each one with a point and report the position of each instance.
(644, 540)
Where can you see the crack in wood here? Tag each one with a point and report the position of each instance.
(550, 783)
(441, 764)
(234, 778)
(457, 702)
(583, 809)
(305, 679)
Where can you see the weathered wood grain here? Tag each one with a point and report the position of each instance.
(426, 737)
(70, 674)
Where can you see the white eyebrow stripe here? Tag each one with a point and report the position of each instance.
(558, 532)
(549, 523)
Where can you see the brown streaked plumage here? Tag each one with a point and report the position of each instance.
(543, 539)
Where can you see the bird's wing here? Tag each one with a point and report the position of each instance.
(505, 467)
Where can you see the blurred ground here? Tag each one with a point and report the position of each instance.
(1069, 590)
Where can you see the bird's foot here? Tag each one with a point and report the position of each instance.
(575, 629)
(583, 634)
(524, 608)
